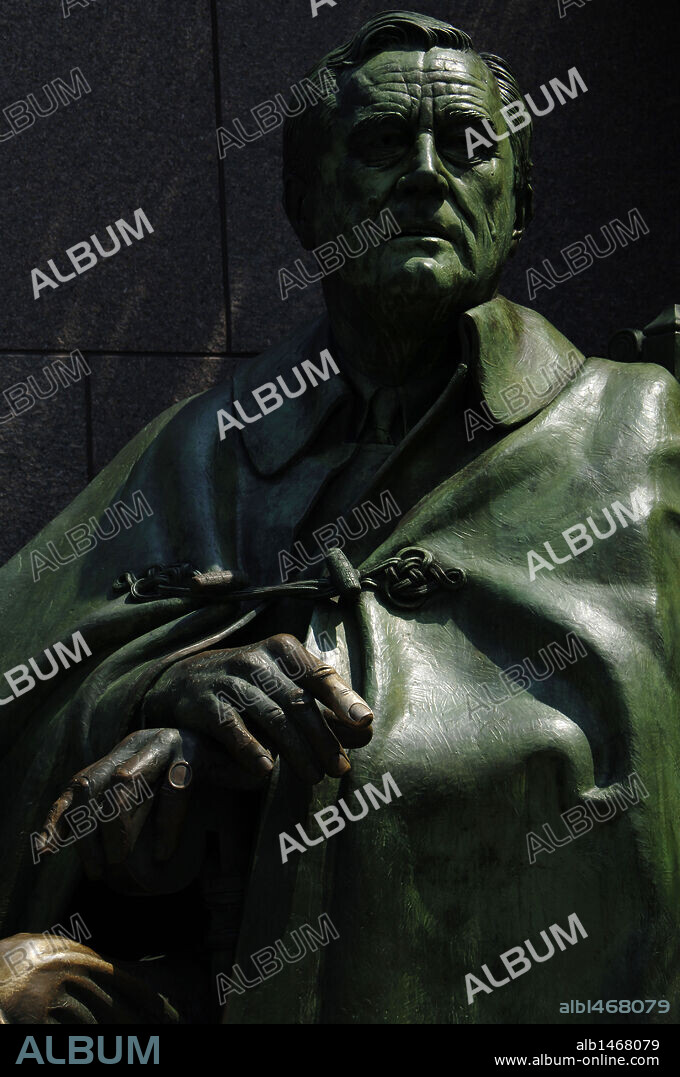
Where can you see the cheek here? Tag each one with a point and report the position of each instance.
(345, 199)
(499, 194)
(362, 193)
(489, 200)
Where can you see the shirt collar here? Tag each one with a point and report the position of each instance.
(518, 360)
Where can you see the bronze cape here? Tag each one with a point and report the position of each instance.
(438, 883)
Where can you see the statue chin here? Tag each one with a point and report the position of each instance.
(432, 287)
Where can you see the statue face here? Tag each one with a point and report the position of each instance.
(398, 142)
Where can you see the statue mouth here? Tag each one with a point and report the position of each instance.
(425, 231)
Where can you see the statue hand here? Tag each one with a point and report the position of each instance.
(259, 700)
(107, 804)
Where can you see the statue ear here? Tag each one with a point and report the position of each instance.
(523, 214)
(297, 202)
(517, 234)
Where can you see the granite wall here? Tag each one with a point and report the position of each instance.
(168, 315)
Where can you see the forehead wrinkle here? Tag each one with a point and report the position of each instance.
(362, 90)
(383, 75)
(467, 102)
(470, 104)
(385, 108)
(483, 100)
(464, 88)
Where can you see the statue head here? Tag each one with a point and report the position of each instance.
(393, 137)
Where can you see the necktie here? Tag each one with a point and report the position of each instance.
(384, 423)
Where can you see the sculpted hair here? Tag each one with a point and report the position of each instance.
(395, 30)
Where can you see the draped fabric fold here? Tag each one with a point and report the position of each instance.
(436, 883)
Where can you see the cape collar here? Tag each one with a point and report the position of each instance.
(517, 359)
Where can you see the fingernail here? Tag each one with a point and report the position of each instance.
(180, 775)
(359, 711)
(265, 764)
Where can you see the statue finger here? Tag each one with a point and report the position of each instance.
(227, 726)
(349, 736)
(72, 819)
(322, 681)
(307, 718)
(279, 729)
(66, 817)
(89, 782)
(326, 685)
(55, 825)
(129, 745)
(172, 804)
(223, 765)
(131, 794)
(85, 815)
(258, 666)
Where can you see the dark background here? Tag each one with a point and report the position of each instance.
(167, 316)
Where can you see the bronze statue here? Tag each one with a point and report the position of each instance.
(511, 692)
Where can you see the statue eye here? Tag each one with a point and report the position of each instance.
(389, 140)
(453, 138)
(379, 144)
(454, 144)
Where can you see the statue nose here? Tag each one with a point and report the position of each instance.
(425, 173)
